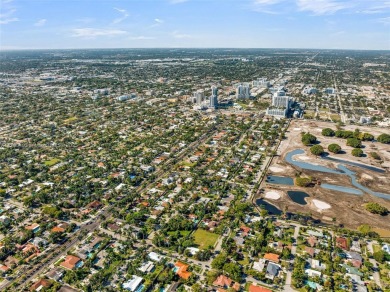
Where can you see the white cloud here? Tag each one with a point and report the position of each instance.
(95, 32)
(263, 6)
(384, 20)
(157, 22)
(123, 17)
(178, 35)
(141, 37)
(319, 7)
(8, 17)
(40, 22)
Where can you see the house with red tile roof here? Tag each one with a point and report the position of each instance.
(253, 288)
(272, 257)
(342, 243)
(71, 262)
(225, 282)
(41, 284)
(182, 270)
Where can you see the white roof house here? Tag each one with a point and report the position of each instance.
(133, 283)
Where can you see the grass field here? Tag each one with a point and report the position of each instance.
(52, 162)
(205, 238)
(70, 120)
(188, 164)
(382, 232)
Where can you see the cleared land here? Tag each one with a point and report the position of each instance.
(204, 238)
(347, 209)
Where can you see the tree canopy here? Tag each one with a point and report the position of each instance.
(334, 148)
(328, 132)
(375, 208)
(308, 139)
(317, 150)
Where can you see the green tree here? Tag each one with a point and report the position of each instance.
(328, 132)
(384, 138)
(375, 155)
(357, 152)
(303, 181)
(375, 208)
(334, 148)
(365, 137)
(308, 139)
(317, 150)
(353, 142)
(379, 256)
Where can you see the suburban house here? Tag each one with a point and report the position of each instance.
(71, 262)
(181, 270)
(41, 284)
(226, 283)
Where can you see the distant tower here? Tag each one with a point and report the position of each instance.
(214, 97)
(199, 96)
(243, 91)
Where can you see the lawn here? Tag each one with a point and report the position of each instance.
(382, 232)
(188, 164)
(70, 120)
(335, 117)
(52, 162)
(205, 238)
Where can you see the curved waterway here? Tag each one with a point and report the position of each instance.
(342, 169)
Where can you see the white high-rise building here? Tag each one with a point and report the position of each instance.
(261, 83)
(199, 96)
(281, 101)
(243, 91)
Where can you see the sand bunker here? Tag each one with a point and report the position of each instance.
(321, 205)
(303, 157)
(272, 195)
(276, 169)
(366, 176)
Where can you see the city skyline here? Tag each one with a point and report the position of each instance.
(320, 24)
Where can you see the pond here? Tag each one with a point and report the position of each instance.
(280, 180)
(342, 169)
(342, 189)
(298, 197)
(305, 165)
(269, 207)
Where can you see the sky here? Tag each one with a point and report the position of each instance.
(73, 24)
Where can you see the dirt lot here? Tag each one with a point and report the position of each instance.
(346, 208)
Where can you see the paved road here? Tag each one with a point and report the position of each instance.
(287, 286)
(376, 274)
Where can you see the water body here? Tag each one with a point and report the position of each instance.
(342, 189)
(280, 180)
(355, 183)
(305, 165)
(269, 207)
(342, 169)
(361, 165)
(298, 197)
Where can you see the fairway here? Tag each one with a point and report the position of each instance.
(205, 238)
(51, 162)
